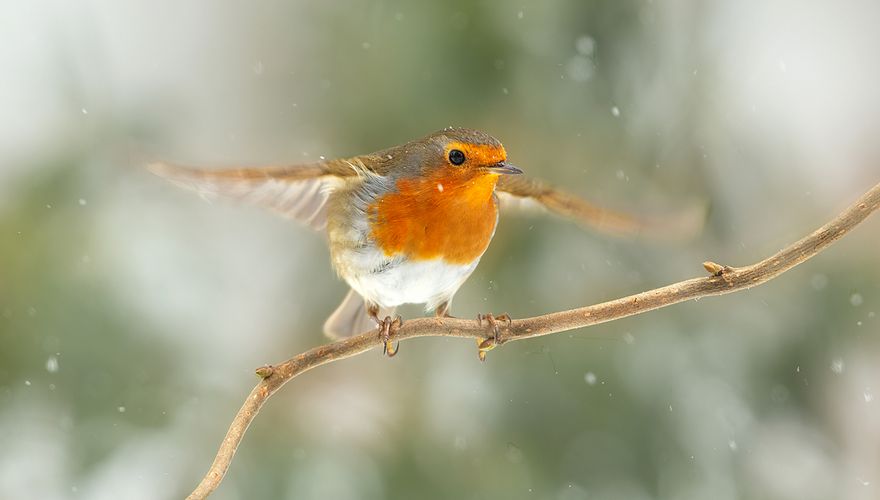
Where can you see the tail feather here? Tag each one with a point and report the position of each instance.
(351, 318)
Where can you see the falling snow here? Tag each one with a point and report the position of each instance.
(52, 364)
(590, 378)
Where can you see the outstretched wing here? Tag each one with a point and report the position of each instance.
(299, 192)
(520, 192)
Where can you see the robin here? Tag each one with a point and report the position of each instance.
(405, 225)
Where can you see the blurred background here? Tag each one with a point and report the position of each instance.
(132, 314)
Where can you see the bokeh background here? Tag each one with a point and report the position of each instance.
(132, 314)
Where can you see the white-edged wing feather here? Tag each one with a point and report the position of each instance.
(298, 192)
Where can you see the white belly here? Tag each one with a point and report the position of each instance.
(392, 282)
(382, 280)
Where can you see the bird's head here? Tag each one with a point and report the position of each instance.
(457, 155)
(462, 152)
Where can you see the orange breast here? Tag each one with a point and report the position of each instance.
(452, 217)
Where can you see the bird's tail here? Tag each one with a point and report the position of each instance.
(351, 318)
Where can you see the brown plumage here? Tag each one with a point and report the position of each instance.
(405, 225)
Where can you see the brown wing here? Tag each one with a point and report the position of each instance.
(520, 192)
(299, 192)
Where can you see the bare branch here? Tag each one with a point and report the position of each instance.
(722, 279)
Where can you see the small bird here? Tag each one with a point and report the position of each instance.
(405, 225)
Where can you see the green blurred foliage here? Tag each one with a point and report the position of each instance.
(133, 314)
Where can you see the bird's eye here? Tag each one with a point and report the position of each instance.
(456, 157)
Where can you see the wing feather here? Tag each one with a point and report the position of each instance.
(298, 192)
(523, 193)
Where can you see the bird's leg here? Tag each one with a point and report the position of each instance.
(386, 328)
(496, 339)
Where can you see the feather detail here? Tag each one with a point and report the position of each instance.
(351, 317)
(528, 194)
(297, 192)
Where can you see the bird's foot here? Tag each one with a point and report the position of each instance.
(387, 328)
(496, 339)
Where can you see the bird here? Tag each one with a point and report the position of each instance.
(404, 225)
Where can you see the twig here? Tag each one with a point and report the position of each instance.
(723, 279)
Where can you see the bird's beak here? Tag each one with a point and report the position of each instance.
(504, 168)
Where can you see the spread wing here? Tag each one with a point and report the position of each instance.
(523, 193)
(299, 192)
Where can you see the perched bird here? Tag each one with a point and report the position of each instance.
(405, 225)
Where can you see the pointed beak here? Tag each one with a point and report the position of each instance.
(504, 168)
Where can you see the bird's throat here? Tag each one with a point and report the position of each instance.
(441, 216)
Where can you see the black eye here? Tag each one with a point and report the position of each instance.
(456, 157)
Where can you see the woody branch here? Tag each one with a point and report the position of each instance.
(722, 280)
